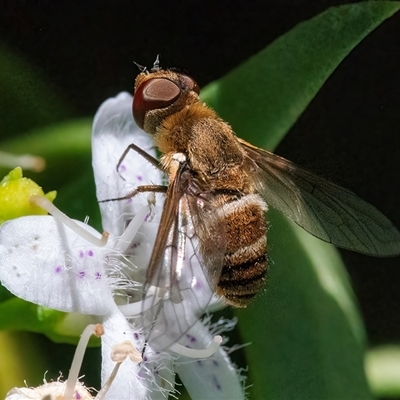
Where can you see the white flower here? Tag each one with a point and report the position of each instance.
(49, 391)
(48, 263)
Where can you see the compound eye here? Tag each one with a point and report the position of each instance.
(190, 83)
(152, 95)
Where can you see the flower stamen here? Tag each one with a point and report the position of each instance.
(196, 353)
(119, 353)
(125, 240)
(92, 329)
(138, 307)
(45, 204)
(25, 161)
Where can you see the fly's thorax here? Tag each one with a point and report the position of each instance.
(211, 148)
(176, 133)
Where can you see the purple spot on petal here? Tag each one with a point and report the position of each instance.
(134, 245)
(81, 274)
(97, 275)
(191, 338)
(144, 358)
(216, 383)
(136, 336)
(198, 285)
(81, 254)
(122, 168)
(146, 218)
(90, 253)
(58, 269)
(78, 396)
(139, 178)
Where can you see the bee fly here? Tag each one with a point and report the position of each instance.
(218, 191)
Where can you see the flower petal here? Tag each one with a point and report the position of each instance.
(49, 390)
(113, 131)
(44, 262)
(126, 384)
(152, 379)
(211, 378)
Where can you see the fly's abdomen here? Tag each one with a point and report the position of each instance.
(245, 262)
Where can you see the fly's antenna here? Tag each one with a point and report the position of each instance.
(156, 65)
(141, 68)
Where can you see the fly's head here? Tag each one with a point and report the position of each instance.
(160, 94)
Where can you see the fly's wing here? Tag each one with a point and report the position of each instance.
(181, 275)
(325, 210)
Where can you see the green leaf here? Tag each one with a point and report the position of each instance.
(78, 199)
(17, 314)
(307, 339)
(263, 97)
(20, 315)
(26, 100)
(22, 361)
(66, 148)
(382, 365)
(5, 294)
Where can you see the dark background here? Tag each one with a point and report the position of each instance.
(349, 134)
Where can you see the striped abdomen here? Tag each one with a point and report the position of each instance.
(245, 262)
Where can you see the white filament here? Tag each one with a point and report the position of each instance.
(196, 353)
(109, 381)
(48, 206)
(90, 330)
(139, 306)
(130, 232)
(25, 161)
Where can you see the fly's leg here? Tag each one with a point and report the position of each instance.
(143, 188)
(145, 155)
(139, 189)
